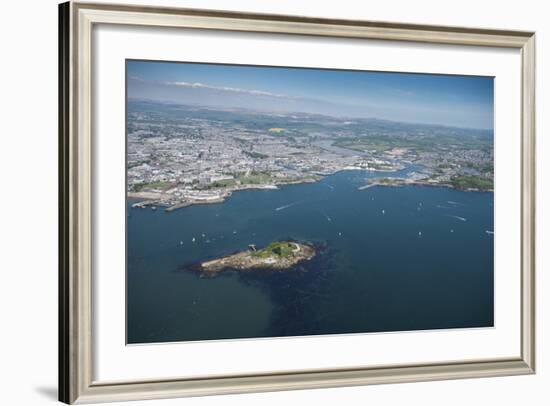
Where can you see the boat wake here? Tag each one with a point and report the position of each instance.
(329, 219)
(286, 206)
(457, 217)
(367, 186)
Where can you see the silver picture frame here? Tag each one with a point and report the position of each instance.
(76, 353)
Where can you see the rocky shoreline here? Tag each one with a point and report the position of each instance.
(165, 200)
(400, 182)
(277, 256)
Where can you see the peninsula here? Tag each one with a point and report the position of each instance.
(464, 183)
(279, 255)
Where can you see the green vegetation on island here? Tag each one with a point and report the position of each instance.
(278, 248)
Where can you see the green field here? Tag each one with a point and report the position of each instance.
(255, 178)
(223, 183)
(471, 182)
(426, 143)
(153, 185)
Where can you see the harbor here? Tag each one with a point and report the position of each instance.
(375, 240)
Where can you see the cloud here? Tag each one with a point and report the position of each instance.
(198, 85)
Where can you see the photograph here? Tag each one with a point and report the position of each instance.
(266, 201)
(263, 200)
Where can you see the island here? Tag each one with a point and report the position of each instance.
(278, 255)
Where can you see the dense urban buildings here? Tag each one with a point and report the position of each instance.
(180, 155)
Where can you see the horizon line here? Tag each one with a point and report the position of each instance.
(128, 99)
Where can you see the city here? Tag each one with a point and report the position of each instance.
(179, 155)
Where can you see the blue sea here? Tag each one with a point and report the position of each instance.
(390, 259)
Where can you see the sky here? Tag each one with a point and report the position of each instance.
(461, 101)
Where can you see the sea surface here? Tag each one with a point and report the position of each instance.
(390, 259)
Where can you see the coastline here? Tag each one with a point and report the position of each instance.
(162, 199)
(399, 182)
(166, 200)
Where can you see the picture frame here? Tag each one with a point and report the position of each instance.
(76, 348)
